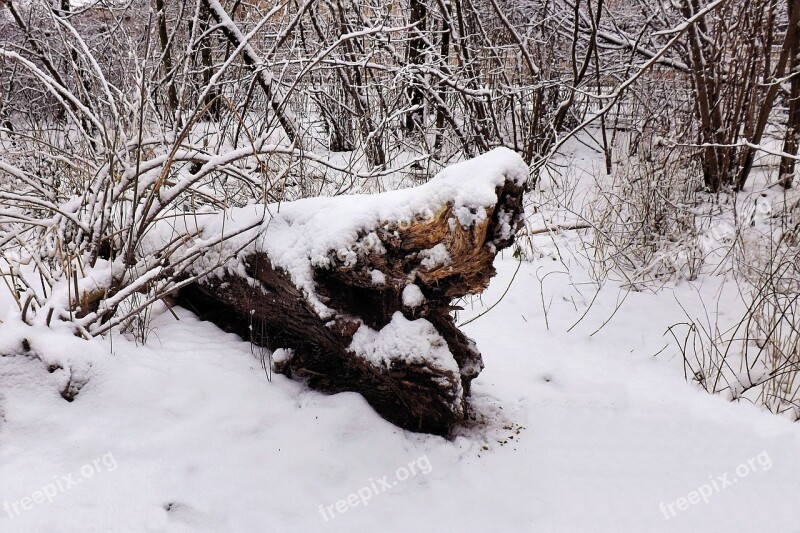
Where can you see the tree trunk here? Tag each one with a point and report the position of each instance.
(166, 55)
(444, 55)
(265, 79)
(792, 137)
(373, 315)
(772, 93)
(704, 81)
(211, 100)
(416, 56)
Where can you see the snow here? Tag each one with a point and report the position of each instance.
(603, 433)
(66, 360)
(412, 296)
(409, 341)
(590, 428)
(438, 255)
(377, 277)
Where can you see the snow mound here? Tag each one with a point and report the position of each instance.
(412, 296)
(408, 342)
(67, 358)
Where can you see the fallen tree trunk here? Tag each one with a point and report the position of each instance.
(358, 289)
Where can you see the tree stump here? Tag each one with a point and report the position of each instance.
(358, 289)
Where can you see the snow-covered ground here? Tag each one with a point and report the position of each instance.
(575, 433)
(577, 429)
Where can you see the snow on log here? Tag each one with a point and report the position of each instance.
(357, 289)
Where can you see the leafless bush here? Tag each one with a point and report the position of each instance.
(647, 229)
(120, 115)
(755, 357)
(758, 358)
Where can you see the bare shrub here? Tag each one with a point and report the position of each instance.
(646, 224)
(756, 357)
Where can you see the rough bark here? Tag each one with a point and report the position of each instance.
(166, 54)
(792, 136)
(414, 393)
(416, 56)
(789, 47)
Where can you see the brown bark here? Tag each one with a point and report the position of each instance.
(444, 55)
(416, 56)
(212, 100)
(792, 137)
(418, 393)
(166, 54)
(253, 63)
(477, 107)
(772, 93)
(354, 81)
(706, 89)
